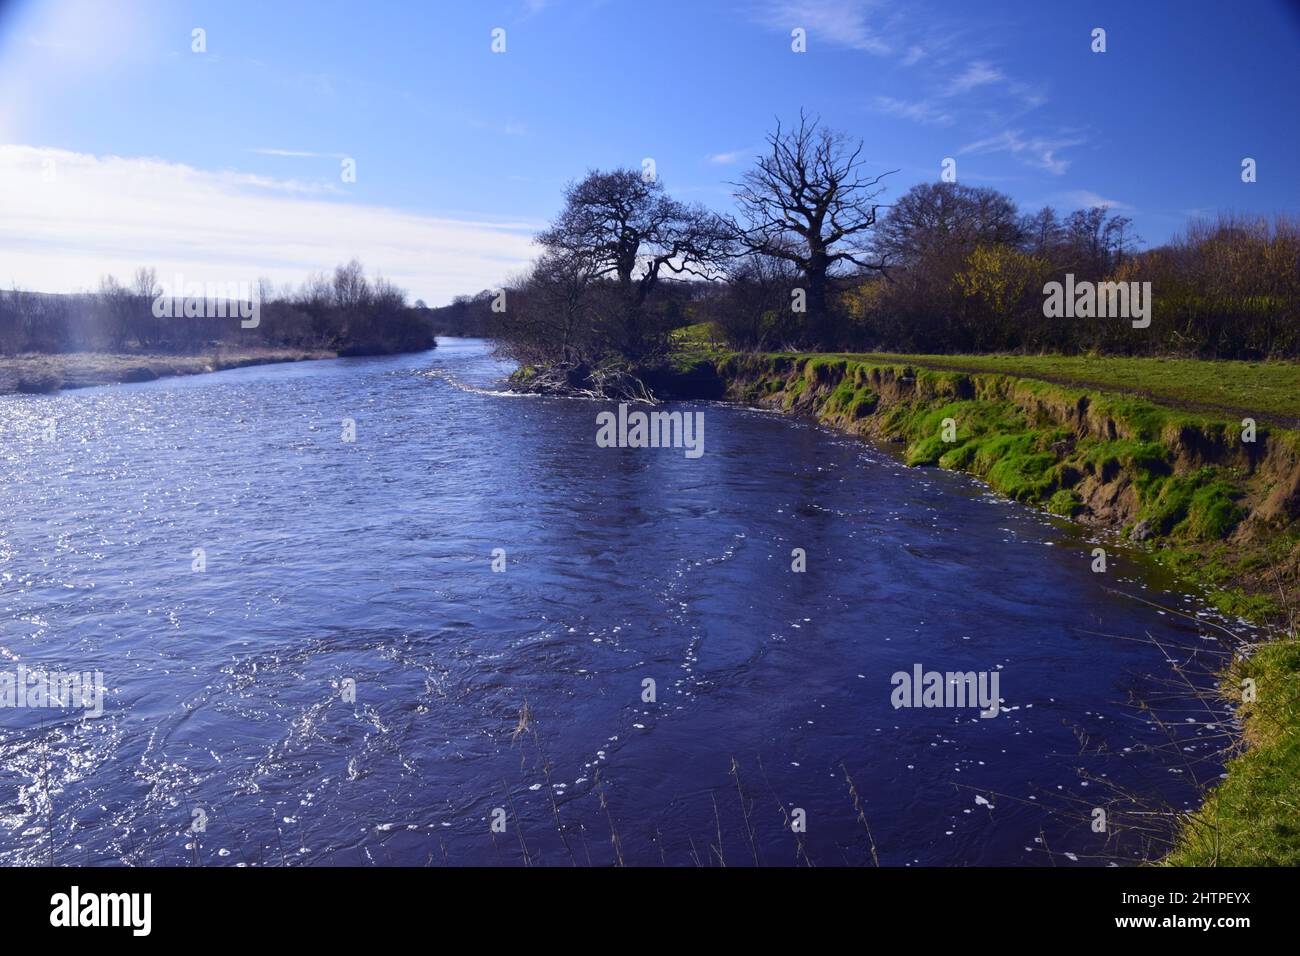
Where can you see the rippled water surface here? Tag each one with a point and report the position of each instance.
(371, 561)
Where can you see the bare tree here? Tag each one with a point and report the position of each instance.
(1099, 240)
(351, 290)
(116, 305)
(552, 315)
(1042, 232)
(145, 288)
(755, 311)
(1121, 240)
(810, 202)
(146, 283)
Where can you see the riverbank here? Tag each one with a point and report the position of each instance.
(34, 373)
(1171, 471)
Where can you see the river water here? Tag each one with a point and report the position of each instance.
(340, 679)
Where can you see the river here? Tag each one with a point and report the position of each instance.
(338, 675)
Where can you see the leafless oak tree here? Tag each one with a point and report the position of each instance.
(809, 201)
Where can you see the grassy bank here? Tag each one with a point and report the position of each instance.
(45, 373)
(1266, 391)
(1153, 450)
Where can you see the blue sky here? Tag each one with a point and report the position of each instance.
(120, 146)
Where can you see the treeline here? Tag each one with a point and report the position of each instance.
(814, 258)
(346, 312)
(468, 316)
(1223, 289)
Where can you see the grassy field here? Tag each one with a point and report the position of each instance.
(1265, 390)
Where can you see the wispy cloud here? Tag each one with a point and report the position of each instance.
(960, 87)
(267, 151)
(914, 55)
(977, 74)
(1040, 152)
(922, 111)
(1086, 198)
(731, 156)
(844, 23)
(72, 217)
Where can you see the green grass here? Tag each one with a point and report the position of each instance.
(699, 335)
(1201, 503)
(1251, 818)
(851, 400)
(1065, 503)
(1269, 389)
(693, 344)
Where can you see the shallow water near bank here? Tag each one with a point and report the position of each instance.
(371, 561)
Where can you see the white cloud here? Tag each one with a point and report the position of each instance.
(728, 158)
(922, 111)
(844, 23)
(109, 214)
(299, 153)
(1086, 199)
(977, 74)
(1037, 151)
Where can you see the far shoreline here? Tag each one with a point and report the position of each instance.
(41, 373)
